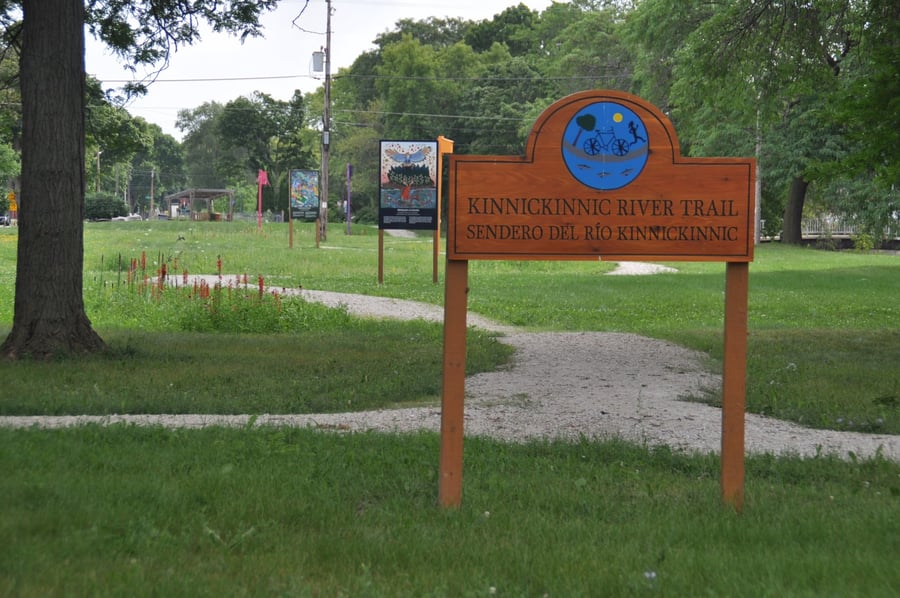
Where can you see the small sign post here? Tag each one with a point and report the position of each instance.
(445, 146)
(602, 177)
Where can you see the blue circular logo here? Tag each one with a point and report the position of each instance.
(605, 146)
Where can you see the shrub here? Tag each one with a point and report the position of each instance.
(103, 207)
(863, 242)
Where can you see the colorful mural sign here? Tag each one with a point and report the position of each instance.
(304, 192)
(408, 185)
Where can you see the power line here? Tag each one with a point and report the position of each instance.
(613, 75)
(215, 79)
(462, 116)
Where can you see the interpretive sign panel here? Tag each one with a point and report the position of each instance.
(304, 193)
(408, 185)
(602, 176)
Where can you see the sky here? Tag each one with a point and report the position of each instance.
(219, 68)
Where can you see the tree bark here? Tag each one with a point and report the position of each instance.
(49, 316)
(793, 212)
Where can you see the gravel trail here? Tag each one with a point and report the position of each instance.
(559, 385)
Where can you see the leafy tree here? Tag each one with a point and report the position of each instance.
(407, 84)
(868, 104)
(589, 54)
(49, 315)
(356, 82)
(778, 64)
(655, 34)
(495, 106)
(156, 170)
(357, 129)
(10, 125)
(49, 311)
(435, 32)
(862, 176)
(263, 133)
(513, 27)
(203, 149)
(111, 130)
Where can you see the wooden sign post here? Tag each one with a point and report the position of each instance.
(445, 146)
(602, 177)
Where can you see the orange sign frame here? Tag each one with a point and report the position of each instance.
(602, 176)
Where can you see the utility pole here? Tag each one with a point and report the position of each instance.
(152, 176)
(347, 209)
(97, 178)
(326, 125)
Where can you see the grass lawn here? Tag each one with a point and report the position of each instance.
(220, 512)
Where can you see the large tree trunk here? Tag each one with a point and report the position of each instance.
(49, 315)
(793, 212)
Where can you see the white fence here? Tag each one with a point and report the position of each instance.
(833, 226)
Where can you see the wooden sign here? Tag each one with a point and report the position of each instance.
(602, 176)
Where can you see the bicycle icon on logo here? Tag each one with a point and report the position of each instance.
(605, 141)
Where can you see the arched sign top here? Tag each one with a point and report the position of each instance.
(602, 123)
(602, 176)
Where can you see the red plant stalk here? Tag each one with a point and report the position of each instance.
(184, 277)
(143, 261)
(261, 286)
(219, 266)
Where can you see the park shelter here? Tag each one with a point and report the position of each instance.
(201, 204)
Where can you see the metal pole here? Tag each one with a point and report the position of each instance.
(97, 179)
(757, 217)
(326, 124)
(349, 211)
(152, 176)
